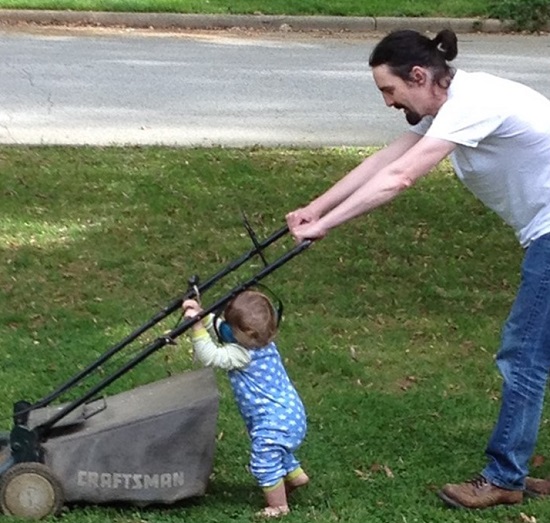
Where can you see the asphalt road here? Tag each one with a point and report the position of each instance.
(232, 88)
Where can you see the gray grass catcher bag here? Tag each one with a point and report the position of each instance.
(152, 444)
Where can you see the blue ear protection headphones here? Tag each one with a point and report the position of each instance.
(223, 330)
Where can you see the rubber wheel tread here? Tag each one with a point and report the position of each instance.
(21, 482)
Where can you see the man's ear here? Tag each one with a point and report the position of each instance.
(419, 75)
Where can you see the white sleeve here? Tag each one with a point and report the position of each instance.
(227, 356)
(465, 125)
(209, 325)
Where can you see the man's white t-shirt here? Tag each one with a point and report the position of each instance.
(502, 132)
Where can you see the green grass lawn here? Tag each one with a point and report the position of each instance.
(282, 7)
(390, 329)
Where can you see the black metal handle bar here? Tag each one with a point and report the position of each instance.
(169, 309)
(170, 337)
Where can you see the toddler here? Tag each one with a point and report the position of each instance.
(268, 402)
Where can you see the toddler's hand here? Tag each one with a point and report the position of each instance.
(191, 308)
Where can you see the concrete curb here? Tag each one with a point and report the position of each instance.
(350, 24)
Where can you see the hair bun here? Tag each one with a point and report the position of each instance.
(446, 42)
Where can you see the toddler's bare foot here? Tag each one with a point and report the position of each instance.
(299, 481)
(273, 512)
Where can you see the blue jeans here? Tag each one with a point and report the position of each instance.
(524, 362)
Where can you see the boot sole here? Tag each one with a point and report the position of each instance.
(450, 501)
(534, 494)
(455, 504)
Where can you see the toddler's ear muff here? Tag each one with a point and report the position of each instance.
(222, 329)
(225, 333)
(279, 311)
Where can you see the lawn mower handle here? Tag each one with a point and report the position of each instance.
(41, 430)
(169, 309)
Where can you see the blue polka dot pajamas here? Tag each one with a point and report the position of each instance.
(273, 412)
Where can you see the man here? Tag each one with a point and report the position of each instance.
(497, 134)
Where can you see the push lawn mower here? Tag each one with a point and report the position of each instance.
(152, 444)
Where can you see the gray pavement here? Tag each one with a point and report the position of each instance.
(122, 86)
(69, 79)
(257, 22)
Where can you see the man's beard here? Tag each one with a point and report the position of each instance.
(412, 117)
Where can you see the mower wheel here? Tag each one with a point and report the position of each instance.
(30, 490)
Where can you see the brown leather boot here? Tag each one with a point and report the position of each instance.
(478, 493)
(536, 487)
